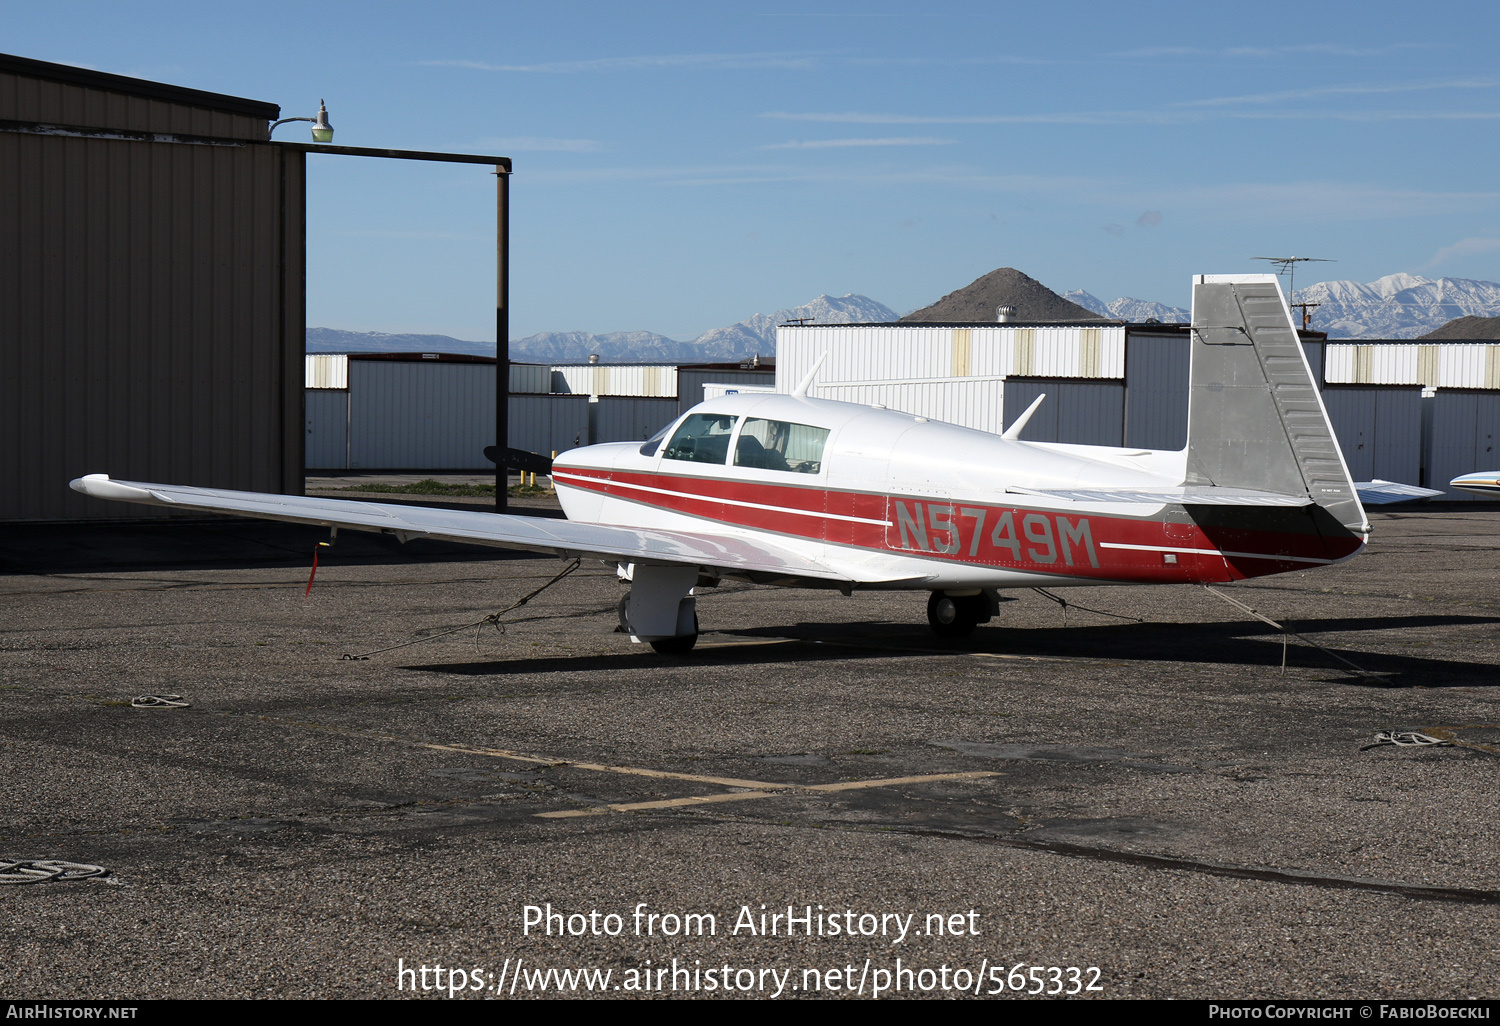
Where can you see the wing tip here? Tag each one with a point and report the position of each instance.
(101, 487)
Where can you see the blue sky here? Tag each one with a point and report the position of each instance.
(680, 166)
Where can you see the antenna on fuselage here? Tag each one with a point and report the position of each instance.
(801, 390)
(1014, 431)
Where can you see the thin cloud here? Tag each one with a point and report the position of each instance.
(1461, 248)
(951, 61)
(1073, 118)
(1177, 116)
(1297, 49)
(710, 61)
(1232, 202)
(831, 144)
(1150, 219)
(540, 144)
(1341, 90)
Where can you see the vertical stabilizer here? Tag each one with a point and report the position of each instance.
(1255, 418)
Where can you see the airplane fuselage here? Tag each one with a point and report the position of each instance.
(922, 504)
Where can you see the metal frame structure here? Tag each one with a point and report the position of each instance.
(502, 174)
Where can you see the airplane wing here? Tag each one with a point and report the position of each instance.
(1378, 492)
(757, 560)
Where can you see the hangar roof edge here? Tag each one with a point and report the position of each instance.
(88, 78)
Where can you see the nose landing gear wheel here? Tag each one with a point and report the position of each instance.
(952, 617)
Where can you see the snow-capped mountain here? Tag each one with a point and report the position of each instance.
(336, 340)
(754, 335)
(613, 347)
(757, 333)
(1127, 309)
(1398, 305)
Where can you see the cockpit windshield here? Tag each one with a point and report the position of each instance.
(648, 447)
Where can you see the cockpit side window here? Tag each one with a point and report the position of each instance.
(702, 438)
(778, 445)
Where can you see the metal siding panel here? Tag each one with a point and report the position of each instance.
(1076, 411)
(547, 423)
(530, 378)
(327, 429)
(1455, 423)
(326, 370)
(1156, 391)
(145, 308)
(24, 98)
(632, 418)
(1351, 411)
(1317, 356)
(1398, 434)
(690, 383)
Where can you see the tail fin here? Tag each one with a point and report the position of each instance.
(1255, 418)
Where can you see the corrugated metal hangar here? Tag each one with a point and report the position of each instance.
(1115, 384)
(435, 411)
(152, 296)
(1404, 411)
(151, 289)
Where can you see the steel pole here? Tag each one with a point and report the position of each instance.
(502, 330)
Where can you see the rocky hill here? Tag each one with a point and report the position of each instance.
(1006, 286)
(1466, 328)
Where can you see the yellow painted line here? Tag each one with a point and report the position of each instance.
(541, 760)
(668, 803)
(706, 799)
(1447, 734)
(855, 785)
(754, 788)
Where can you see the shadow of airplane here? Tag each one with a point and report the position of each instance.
(1238, 643)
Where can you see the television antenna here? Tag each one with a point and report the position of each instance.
(1288, 267)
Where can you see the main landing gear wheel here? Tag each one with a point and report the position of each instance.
(680, 645)
(952, 617)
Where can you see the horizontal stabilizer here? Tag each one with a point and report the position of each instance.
(1190, 495)
(518, 459)
(1378, 492)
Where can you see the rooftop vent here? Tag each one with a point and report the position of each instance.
(1005, 313)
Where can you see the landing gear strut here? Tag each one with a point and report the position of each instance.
(956, 616)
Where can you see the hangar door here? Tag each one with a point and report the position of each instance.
(1379, 428)
(1084, 411)
(1465, 437)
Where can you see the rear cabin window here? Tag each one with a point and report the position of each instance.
(777, 445)
(702, 438)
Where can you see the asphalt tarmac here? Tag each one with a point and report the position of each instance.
(1154, 808)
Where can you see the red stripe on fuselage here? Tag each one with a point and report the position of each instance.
(1174, 549)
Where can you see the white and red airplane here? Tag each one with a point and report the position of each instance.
(796, 491)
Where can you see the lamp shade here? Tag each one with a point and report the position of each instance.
(322, 131)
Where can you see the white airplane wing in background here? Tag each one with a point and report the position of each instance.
(1378, 492)
(762, 562)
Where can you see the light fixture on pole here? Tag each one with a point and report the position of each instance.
(322, 131)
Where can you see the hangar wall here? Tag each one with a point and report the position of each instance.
(151, 290)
